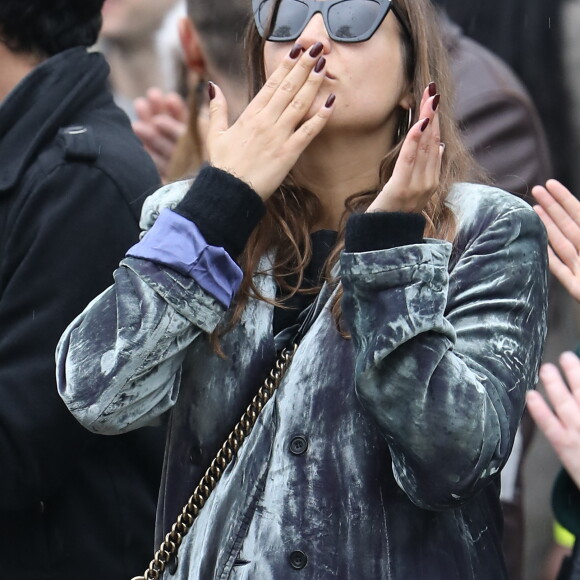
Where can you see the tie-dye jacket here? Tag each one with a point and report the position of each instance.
(378, 457)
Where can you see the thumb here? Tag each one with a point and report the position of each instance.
(218, 112)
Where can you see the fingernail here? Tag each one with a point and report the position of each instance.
(436, 100)
(296, 51)
(330, 100)
(424, 125)
(432, 89)
(316, 50)
(320, 64)
(442, 145)
(210, 90)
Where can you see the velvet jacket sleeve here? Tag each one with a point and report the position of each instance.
(448, 340)
(119, 362)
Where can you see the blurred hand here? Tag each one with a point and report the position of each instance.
(265, 142)
(162, 121)
(561, 426)
(416, 174)
(560, 212)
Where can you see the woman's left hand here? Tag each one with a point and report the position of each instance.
(416, 174)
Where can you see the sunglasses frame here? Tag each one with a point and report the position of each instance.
(322, 7)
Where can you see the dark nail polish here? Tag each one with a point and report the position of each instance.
(296, 51)
(211, 91)
(320, 64)
(432, 89)
(424, 125)
(330, 101)
(316, 49)
(436, 100)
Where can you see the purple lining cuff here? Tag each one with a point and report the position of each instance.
(176, 242)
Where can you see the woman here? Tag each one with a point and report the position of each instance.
(379, 454)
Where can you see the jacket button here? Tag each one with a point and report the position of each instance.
(298, 445)
(298, 560)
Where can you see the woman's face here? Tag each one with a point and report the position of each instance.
(368, 77)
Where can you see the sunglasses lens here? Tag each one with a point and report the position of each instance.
(290, 19)
(354, 19)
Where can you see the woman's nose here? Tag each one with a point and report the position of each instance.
(315, 31)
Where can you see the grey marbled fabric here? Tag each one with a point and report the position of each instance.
(407, 425)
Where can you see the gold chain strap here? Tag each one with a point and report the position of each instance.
(209, 481)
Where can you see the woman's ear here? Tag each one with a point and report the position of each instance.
(407, 101)
(191, 47)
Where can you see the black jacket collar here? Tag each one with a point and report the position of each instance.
(42, 103)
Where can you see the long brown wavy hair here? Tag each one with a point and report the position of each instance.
(292, 211)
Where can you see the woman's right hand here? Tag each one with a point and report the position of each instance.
(265, 142)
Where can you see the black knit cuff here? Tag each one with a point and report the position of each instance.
(382, 230)
(224, 208)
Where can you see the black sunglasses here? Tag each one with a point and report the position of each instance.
(345, 20)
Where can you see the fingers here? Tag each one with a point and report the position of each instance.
(297, 90)
(558, 425)
(161, 121)
(417, 170)
(275, 80)
(565, 198)
(561, 426)
(156, 102)
(544, 418)
(298, 106)
(570, 364)
(421, 148)
(562, 244)
(304, 135)
(559, 395)
(563, 234)
(160, 135)
(430, 91)
(218, 114)
(564, 274)
(430, 152)
(153, 103)
(286, 82)
(176, 107)
(418, 167)
(562, 207)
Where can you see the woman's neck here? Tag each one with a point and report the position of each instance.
(334, 167)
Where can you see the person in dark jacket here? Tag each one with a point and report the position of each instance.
(72, 179)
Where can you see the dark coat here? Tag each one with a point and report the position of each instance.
(72, 179)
